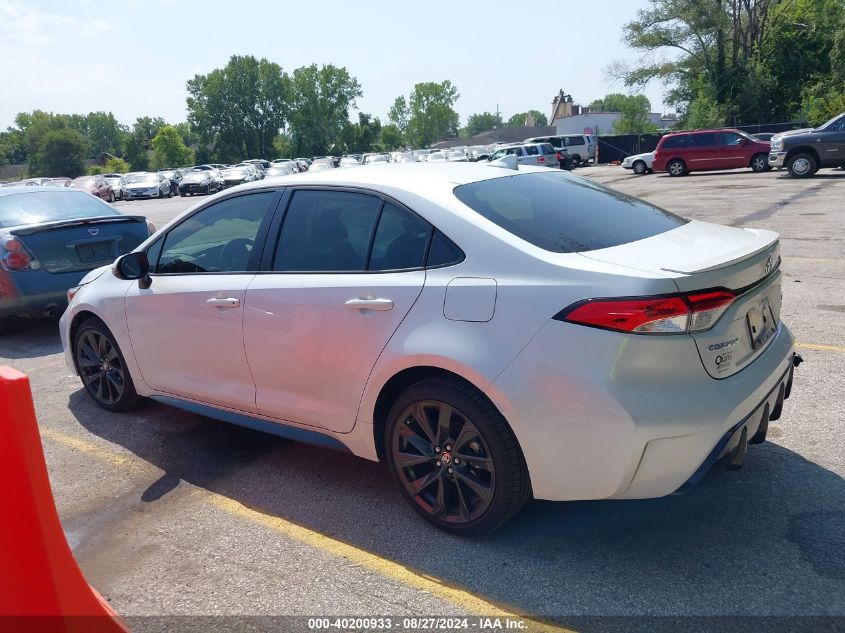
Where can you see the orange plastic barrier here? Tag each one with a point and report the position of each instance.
(41, 586)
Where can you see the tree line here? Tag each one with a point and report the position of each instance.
(740, 62)
(250, 108)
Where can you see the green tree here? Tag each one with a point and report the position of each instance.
(116, 165)
(613, 102)
(240, 108)
(518, 120)
(477, 123)
(320, 100)
(188, 134)
(703, 113)
(431, 115)
(104, 133)
(169, 149)
(754, 58)
(62, 153)
(139, 141)
(634, 120)
(399, 115)
(391, 138)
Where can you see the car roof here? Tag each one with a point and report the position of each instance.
(416, 178)
(5, 191)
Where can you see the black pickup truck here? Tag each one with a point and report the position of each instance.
(804, 152)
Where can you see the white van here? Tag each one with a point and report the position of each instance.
(582, 147)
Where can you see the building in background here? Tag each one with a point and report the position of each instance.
(570, 118)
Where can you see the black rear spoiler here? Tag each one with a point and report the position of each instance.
(58, 224)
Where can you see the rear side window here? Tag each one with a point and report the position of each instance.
(326, 231)
(674, 142)
(547, 148)
(532, 150)
(575, 140)
(443, 251)
(565, 215)
(401, 240)
(708, 139)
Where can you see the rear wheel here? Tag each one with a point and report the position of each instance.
(760, 162)
(576, 160)
(455, 458)
(676, 167)
(801, 166)
(639, 167)
(111, 196)
(102, 367)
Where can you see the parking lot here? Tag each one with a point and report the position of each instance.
(174, 514)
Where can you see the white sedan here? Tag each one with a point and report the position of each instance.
(491, 334)
(640, 163)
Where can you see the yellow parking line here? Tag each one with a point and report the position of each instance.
(469, 602)
(818, 346)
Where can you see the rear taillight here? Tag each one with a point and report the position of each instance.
(541, 159)
(14, 256)
(673, 314)
(559, 157)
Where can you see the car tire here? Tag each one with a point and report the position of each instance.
(489, 482)
(102, 367)
(639, 167)
(182, 194)
(112, 197)
(759, 163)
(576, 159)
(802, 166)
(676, 167)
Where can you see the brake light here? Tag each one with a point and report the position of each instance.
(541, 159)
(673, 314)
(14, 256)
(559, 157)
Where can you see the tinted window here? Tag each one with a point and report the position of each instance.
(547, 148)
(326, 231)
(562, 214)
(731, 138)
(443, 251)
(401, 240)
(708, 139)
(219, 238)
(48, 206)
(574, 140)
(674, 142)
(532, 150)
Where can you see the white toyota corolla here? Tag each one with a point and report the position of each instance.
(492, 334)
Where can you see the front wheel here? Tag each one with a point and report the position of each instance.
(639, 167)
(676, 167)
(102, 367)
(801, 166)
(112, 197)
(759, 163)
(455, 458)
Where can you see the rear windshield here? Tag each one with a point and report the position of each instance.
(563, 214)
(18, 209)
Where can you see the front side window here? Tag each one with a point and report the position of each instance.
(731, 139)
(220, 238)
(326, 231)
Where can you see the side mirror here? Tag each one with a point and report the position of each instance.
(134, 266)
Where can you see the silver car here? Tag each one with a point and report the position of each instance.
(538, 154)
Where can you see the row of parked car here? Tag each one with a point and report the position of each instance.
(801, 152)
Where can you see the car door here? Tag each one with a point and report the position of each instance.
(703, 152)
(187, 327)
(833, 142)
(733, 150)
(345, 270)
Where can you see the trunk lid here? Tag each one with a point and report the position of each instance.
(703, 256)
(84, 243)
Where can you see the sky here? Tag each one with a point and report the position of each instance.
(133, 57)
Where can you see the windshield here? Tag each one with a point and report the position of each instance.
(35, 207)
(563, 214)
(836, 123)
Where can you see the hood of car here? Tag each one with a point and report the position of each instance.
(141, 185)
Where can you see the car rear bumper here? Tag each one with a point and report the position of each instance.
(35, 293)
(777, 159)
(605, 415)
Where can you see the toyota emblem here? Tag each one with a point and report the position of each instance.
(94, 231)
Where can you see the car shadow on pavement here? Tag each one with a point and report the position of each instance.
(30, 338)
(768, 539)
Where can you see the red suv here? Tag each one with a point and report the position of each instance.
(706, 150)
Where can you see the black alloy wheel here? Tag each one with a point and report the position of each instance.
(103, 368)
(455, 457)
